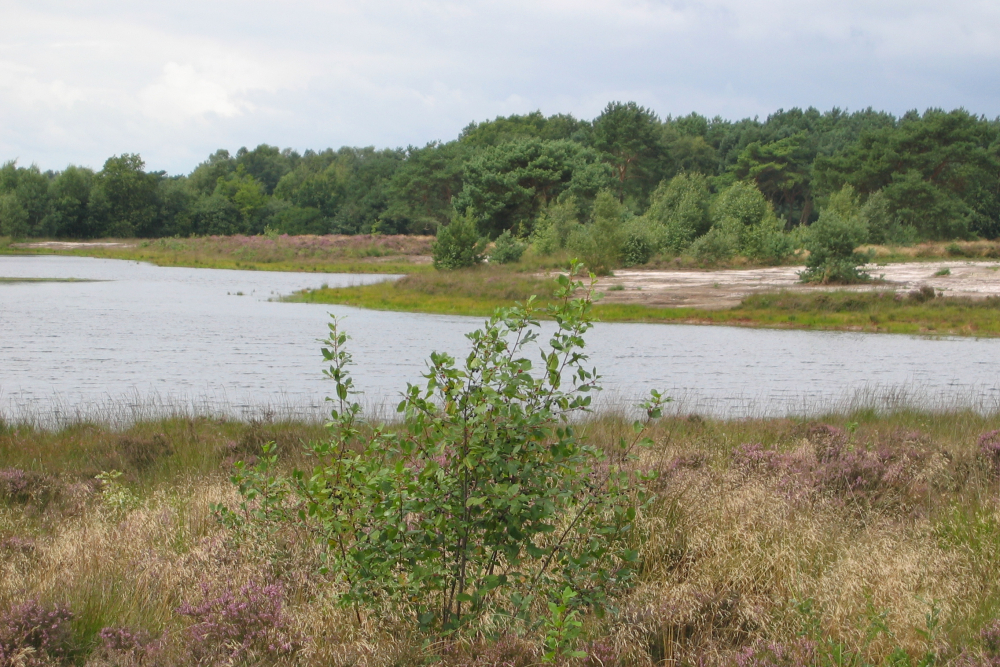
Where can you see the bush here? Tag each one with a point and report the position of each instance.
(718, 245)
(743, 222)
(240, 624)
(458, 244)
(599, 244)
(832, 243)
(639, 243)
(506, 249)
(487, 469)
(33, 634)
(554, 226)
(679, 207)
(883, 227)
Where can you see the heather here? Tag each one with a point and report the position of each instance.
(858, 538)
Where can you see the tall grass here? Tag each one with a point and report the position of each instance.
(868, 534)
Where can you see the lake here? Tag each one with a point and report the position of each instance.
(142, 339)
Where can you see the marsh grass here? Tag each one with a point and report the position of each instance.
(864, 533)
(329, 254)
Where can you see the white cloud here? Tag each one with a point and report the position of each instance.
(80, 81)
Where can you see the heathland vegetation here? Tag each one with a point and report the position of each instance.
(497, 523)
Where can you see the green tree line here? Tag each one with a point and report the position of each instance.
(655, 183)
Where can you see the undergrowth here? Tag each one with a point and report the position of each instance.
(864, 538)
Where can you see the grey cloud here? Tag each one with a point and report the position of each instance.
(84, 80)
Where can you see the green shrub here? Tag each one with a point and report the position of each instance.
(718, 245)
(506, 249)
(554, 226)
(639, 243)
(458, 244)
(832, 243)
(883, 227)
(599, 244)
(485, 500)
(743, 222)
(679, 209)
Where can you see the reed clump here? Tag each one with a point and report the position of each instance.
(856, 538)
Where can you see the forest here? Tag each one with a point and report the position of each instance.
(712, 186)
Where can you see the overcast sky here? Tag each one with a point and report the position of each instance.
(174, 81)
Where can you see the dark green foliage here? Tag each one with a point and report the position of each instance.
(929, 176)
(127, 195)
(630, 138)
(509, 184)
(458, 244)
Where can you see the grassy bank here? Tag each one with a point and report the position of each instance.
(873, 537)
(327, 254)
(480, 290)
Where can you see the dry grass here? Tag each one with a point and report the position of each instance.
(933, 250)
(361, 253)
(742, 545)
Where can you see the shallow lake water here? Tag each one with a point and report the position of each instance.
(143, 339)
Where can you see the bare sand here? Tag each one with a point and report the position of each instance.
(725, 288)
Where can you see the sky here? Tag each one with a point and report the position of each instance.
(175, 81)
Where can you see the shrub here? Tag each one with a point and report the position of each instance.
(718, 245)
(638, 245)
(506, 249)
(24, 487)
(832, 243)
(883, 227)
(486, 499)
(458, 244)
(742, 222)
(240, 624)
(554, 227)
(599, 244)
(680, 208)
(33, 634)
(800, 653)
(989, 450)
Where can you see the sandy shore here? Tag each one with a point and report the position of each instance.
(727, 287)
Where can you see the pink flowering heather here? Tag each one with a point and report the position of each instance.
(241, 623)
(989, 450)
(800, 653)
(33, 634)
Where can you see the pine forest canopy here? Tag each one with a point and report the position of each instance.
(934, 175)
